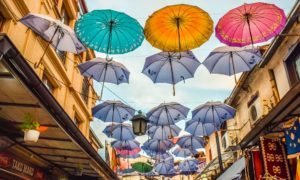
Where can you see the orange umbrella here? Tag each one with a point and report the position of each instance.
(178, 28)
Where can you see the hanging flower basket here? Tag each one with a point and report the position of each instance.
(31, 135)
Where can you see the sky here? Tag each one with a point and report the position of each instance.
(141, 93)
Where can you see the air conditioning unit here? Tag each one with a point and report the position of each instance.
(255, 110)
(228, 141)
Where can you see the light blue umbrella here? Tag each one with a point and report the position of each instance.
(113, 111)
(126, 144)
(156, 155)
(122, 132)
(184, 152)
(164, 166)
(197, 128)
(213, 112)
(170, 67)
(216, 113)
(167, 113)
(129, 156)
(232, 60)
(103, 71)
(188, 166)
(109, 31)
(191, 142)
(158, 145)
(163, 131)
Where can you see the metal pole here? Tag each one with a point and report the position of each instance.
(218, 143)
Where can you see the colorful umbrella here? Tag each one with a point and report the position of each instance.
(171, 68)
(158, 145)
(197, 128)
(109, 31)
(250, 23)
(113, 111)
(105, 71)
(167, 113)
(59, 35)
(232, 60)
(122, 132)
(142, 167)
(163, 131)
(128, 152)
(191, 142)
(126, 145)
(178, 28)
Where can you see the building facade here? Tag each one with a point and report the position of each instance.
(61, 101)
(265, 98)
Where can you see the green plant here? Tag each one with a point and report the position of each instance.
(28, 123)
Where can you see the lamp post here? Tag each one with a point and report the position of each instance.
(139, 124)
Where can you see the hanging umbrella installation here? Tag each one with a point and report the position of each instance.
(126, 144)
(170, 67)
(191, 142)
(122, 132)
(142, 167)
(197, 128)
(232, 60)
(184, 152)
(158, 145)
(178, 28)
(215, 113)
(109, 31)
(59, 35)
(113, 111)
(163, 131)
(167, 113)
(250, 24)
(103, 71)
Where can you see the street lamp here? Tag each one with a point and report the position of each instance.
(139, 124)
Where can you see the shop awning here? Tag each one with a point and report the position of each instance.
(63, 146)
(234, 171)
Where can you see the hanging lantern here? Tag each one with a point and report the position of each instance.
(139, 124)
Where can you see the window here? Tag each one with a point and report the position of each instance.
(77, 121)
(293, 65)
(47, 82)
(2, 20)
(85, 90)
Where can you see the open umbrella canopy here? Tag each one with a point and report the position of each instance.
(126, 145)
(197, 128)
(142, 167)
(129, 156)
(250, 23)
(184, 152)
(163, 131)
(164, 166)
(213, 112)
(61, 36)
(167, 113)
(122, 132)
(178, 28)
(191, 142)
(188, 166)
(109, 31)
(232, 60)
(158, 145)
(113, 111)
(170, 67)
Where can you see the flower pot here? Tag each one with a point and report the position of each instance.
(31, 135)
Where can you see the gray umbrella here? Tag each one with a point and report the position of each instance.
(232, 60)
(105, 71)
(171, 68)
(167, 113)
(113, 111)
(59, 35)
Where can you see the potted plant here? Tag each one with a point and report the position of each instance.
(31, 128)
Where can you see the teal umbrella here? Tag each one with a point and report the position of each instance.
(109, 31)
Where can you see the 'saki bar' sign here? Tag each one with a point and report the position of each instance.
(12, 164)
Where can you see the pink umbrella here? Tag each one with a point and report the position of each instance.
(250, 23)
(128, 152)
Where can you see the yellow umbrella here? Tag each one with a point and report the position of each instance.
(178, 28)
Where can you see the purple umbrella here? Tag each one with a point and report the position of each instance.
(191, 142)
(163, 131)
(198, 128)
(188, 166)
(59, 35)
(122, 132)
(103, 71)
(158, 145)
(184, 152)
(170, 67)
(126, 144)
